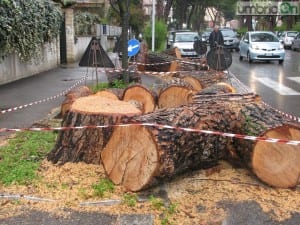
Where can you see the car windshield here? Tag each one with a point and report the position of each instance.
(228, 33)
(292, 34)
(263, 37)
(186, 37)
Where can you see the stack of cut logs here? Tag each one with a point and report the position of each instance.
(138, 156)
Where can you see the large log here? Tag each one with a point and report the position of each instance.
(151, 154)
(74, 145)
(160, 153)
(174, 96)
(276, 164)
(161, 62)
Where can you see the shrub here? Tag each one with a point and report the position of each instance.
(26, 25)
(160, 35)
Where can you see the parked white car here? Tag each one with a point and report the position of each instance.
(262, 46)
(184, 41)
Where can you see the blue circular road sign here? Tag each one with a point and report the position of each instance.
(133, 47)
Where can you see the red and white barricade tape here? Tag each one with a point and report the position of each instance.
(43, 100)
(231, 135)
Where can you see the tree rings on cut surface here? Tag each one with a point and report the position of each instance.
(278, 164)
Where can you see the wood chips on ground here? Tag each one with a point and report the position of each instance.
(197, 195)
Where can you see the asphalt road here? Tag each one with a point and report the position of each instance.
(278, 85)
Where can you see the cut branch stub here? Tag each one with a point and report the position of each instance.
(75, 145)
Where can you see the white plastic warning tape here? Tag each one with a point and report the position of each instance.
(284, 113)
(240, 136)
(43, 100)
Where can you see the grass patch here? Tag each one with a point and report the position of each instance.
(22, 156)
(129, 199)
(115, 84)
(104, 186)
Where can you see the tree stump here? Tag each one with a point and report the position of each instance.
(74, 145)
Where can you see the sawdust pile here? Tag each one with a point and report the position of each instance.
(196, 195)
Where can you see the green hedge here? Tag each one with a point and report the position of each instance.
(26, 25)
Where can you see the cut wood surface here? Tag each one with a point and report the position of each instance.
(107, 94)
(278, 164)
(74, 145)
(174, 96)
(72, 95)
(143, 95)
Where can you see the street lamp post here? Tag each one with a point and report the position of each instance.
(153, 25)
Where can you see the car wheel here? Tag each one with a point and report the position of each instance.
(237, 49)
(249, 58)
(241, 58)
(280, 61)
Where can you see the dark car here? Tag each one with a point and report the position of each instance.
(231, 40)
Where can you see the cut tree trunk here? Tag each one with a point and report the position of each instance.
(150, 154)
(174, 96)
(141, 57)
(276, 164)
(218, 88)
(113, 75)
(147, 155)
(141, 94)
(75, 145)
(160, 62)
(206, 78)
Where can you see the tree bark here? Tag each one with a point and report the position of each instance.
(75, 145)
(151, 154)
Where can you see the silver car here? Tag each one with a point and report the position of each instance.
(288, 37)
(296, 43)
(261, 45)
(184, 41)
